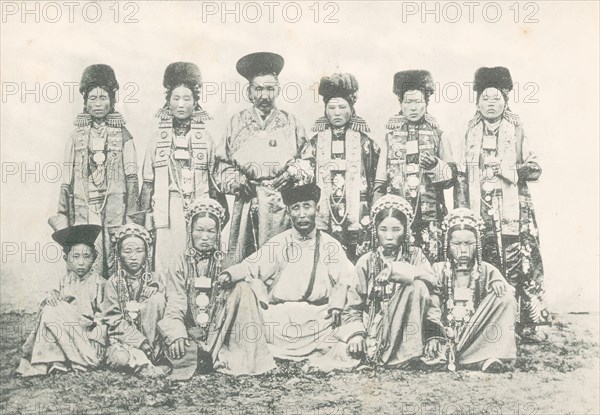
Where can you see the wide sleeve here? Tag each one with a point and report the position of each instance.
(444, 172)
(461, 188)
(262, 264)
(228, 176)
(130, 166)
(381, 174)
(147, 192)
(418, 268)
(66, 186)
(120, 330)
(172, 325)
(352, 316)
(492, 274)
(341, 272)
(529, 168)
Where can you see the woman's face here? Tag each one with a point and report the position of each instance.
(182, 102)
(491, 104)
(204, 234)
(463, 244)
(133, 254)
(390, 233)
(338, 112)
(98, 103)
(414, 105)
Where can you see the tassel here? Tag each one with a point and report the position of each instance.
(475, 120)
(82, 120)
(115, 119)
(320, 124)
(397, 121)
(431, 120)
(512, 118)
(163, 113)
(201, 116)
(359, 124)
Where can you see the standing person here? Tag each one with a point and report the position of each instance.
(179, 163)
(416, 160)
(101, 184)
(478, 307)
(206, 321)
(69, 334)
(496, 164)
(263, 149)
(134, 302)
(346, 161)
(302, 276)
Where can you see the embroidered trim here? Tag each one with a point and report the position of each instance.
(356, 123)
(508, 115)
(398, 120)
(113, 119)
(199, 116)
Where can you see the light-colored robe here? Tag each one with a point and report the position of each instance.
(395, 333)
(70, 334)
(250, 156)
(237, 344)
(124, 336)
(490, 332)
(299, 286)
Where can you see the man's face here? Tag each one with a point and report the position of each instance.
(98, 103)
(182, 102)
(303, 216)
(463, 244)
(80, 259)
(491, 103)
(204, 234)
(413, 105)
(264, 89)
(338, 111)
(133, 254)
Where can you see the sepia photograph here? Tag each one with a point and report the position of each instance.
(300, 207)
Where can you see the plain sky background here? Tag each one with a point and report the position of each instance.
(554, 61)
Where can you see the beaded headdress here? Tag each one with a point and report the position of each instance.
(462, 218)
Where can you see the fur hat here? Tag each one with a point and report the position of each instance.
(339, 85)
(498, 77)
(259, 62)
(419, 80)
(294, 194)
(178, 73)
(98, 75)
(78, 234)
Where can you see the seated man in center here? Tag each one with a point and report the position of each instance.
(301, 276)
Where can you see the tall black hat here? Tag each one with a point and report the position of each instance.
(98, 75)
(419, 80)
(73, 235)
(259, 63)
(294, 194)
(178, 73)
(497, 77)
(339, 85)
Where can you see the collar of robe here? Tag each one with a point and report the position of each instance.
(298, 236)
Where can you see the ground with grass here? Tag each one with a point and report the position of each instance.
(557, 376)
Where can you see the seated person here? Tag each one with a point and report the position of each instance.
(384, 319)
(203, 318)
(303, 275)
(133, 304)
(68, 334)
(478, 307)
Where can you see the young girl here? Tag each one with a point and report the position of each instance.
(478, 306)
(133, 304)
(68, 333)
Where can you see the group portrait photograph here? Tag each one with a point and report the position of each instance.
(279, 207)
